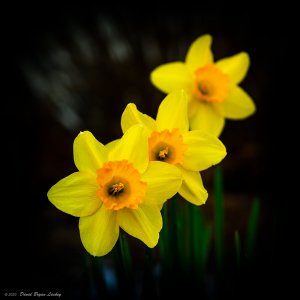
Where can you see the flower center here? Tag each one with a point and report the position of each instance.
(167, 146)
(163, 154)
(203, 88)
(116, 189)
(120, 185)
(211, 84)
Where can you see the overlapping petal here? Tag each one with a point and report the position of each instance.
(204, 117)
(238, 105)
(110, 145)
(132, 116)
(203, 150)
(89, 154)
(172, 76)
(192, 188)
(235, 66)
(99, 232)
(75, 194)
(163, 181)
(133, 146)
(172, 112)
(143, 223)
(199, 53)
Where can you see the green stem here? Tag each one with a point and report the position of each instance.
(201, 241)
(252, 227)
(179, 232)
(125, 253)
(164, 240)
(237, 243)
(197, 234)
(219, 216)
(124, 267)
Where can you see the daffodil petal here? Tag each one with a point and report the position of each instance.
(205, 117)
(99, 232)
(89, 154)
(133, 146)
(238, 105)
(163, 182)
(172, 112)
(192, 188)
(204, 150)
(132, 116)
(143, 223)
(109, 146)
(75, 194)
(172, 76)
(199, 53)
(235, 66)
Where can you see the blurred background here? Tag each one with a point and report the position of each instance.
(74, 68)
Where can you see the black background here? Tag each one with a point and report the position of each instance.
(41, 246)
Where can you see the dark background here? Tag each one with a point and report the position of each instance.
(73, 68)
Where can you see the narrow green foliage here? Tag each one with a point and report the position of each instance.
(252, 227)
(178, 230)
(200, 240)
(164, 240)
(219, 216)
(197, 227)
(206, 238)
(126, 256)
(237, 244)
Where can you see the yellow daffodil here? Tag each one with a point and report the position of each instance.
(170, 141)
(212, 87)
(115, 187)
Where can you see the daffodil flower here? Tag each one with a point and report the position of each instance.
(212, 87)
(115, 187)
(170, 141)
